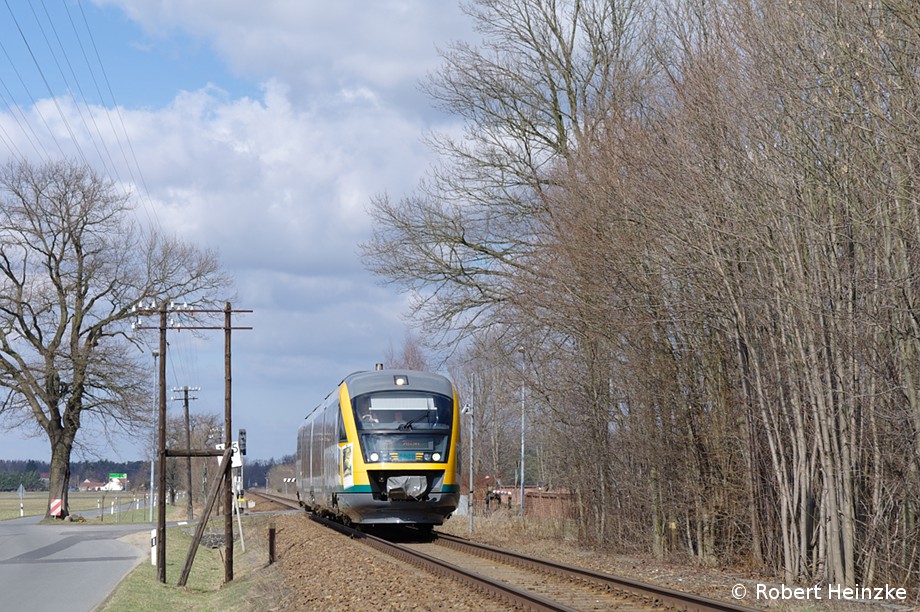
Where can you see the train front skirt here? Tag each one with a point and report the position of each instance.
(366, 507)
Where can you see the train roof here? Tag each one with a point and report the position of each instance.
(392, 380)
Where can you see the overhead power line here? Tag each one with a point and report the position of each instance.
(41, 46)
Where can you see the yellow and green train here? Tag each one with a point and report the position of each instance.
(382, 448)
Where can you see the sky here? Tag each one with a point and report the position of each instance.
(261, 130)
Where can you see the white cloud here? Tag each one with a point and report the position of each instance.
(316, 47)
(294, 183)
(279, 182)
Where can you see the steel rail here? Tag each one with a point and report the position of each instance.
(668, 597)
(512, 595)
(278, 499)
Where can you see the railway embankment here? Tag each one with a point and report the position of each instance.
(319, 569)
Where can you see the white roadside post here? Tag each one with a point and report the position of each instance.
(468, 410)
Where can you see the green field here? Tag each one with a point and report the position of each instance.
(36, 503)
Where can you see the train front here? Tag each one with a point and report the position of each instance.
(405, 466)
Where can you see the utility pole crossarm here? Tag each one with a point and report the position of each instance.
(194, 452)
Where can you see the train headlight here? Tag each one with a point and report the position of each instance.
(436, 457)
(374, 457)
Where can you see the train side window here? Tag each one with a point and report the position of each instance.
(343, 435)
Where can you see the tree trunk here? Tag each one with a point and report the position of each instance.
(658, 545)
(59, 479)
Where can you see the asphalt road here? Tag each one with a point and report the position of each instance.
(63, 567)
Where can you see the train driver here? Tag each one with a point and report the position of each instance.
(364, 413)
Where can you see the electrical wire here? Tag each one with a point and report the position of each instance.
(106, 159)
(141, 181)
(22, 119)
(44, 79)
(183, 360)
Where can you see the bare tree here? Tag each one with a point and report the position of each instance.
(205, 433)
(72, 267)
(782, 153)
(412, 356)
(463, 242)
(482, 373)
(190, 473)
(707, 242)
(473, 243)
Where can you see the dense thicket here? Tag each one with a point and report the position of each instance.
(12, 472)
(29, 472)
(700, 221)
(30, 481)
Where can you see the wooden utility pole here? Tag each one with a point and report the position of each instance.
(208, 506)
(228, 443)
(226, 472)
(188, 447)
(161, 454)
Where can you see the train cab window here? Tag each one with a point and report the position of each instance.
(343, 435)
(405, 411)
(405, 426)
(363, 416)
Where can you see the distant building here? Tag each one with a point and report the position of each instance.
(90, 485)
(540, 503)
(115, 484)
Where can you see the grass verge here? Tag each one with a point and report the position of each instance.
(255, 584)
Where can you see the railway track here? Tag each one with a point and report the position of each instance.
(524, 581)
(585, 589)
(287, 502)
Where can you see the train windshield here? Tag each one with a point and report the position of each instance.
(401, 411)
(403, 426)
